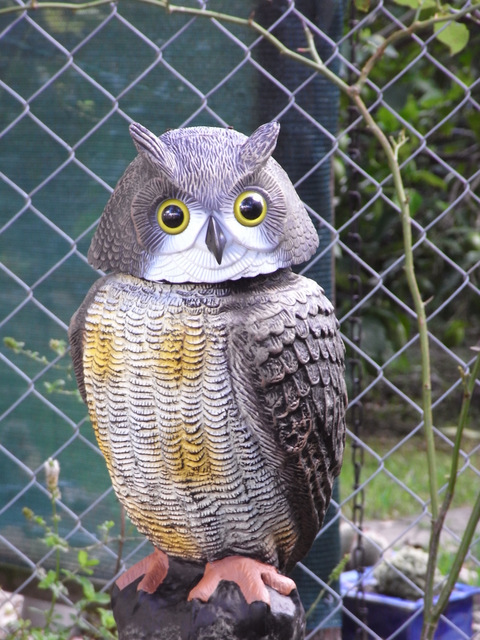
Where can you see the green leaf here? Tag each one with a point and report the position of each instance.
(28, 513)
(410, 111)
(85, 562)
(82, 558)
(70, 575)
(53, 540)
(387, 120)
(87, 587)
(454, 35)
(416, 4)
(473, 238)
(40, 521)
(13, 344)
(48, 580)
(106, 617)
(52, 387)
(104, 529)
(59, 346)
(362, 5)
(422, 175)
(101, 597)
(415, 200)
(454, 333)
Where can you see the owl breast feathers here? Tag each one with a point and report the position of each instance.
(219, 409)
(213, 375)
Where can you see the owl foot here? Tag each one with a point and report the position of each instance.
(153, 568)
(250, 575)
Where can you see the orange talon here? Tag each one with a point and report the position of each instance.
(250, 575)
(154, 569)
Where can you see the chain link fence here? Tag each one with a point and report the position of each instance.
(71, 82)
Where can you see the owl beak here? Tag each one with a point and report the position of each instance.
(215, 239)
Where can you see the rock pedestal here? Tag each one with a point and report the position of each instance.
(168, 615)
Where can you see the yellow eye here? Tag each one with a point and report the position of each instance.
(250, 208)
(173, 216)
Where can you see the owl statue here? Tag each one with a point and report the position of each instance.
(213, 374)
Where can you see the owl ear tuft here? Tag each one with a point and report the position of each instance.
(255, 152)
(154, 149)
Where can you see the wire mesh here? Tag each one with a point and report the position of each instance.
(71, 83)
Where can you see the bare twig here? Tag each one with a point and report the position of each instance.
(34, 5)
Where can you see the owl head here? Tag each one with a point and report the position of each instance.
(203, 204)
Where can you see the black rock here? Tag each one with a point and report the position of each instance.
(167, 615)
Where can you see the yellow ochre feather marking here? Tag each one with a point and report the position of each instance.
(159, 412)
(146, 398)
(180, 362)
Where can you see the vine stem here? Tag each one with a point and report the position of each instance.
(391, 152)
(433, 612)
(55, 519)
(68, 6)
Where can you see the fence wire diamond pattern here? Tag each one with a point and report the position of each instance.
(70, 83)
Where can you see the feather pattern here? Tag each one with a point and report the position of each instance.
(221, 432)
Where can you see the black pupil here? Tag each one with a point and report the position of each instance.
(251, 207)
(172, 216)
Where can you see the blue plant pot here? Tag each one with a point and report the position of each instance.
(399, 619)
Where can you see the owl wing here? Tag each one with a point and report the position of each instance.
(75, 335)
(288, 372)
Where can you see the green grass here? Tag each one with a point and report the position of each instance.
(385, 498)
